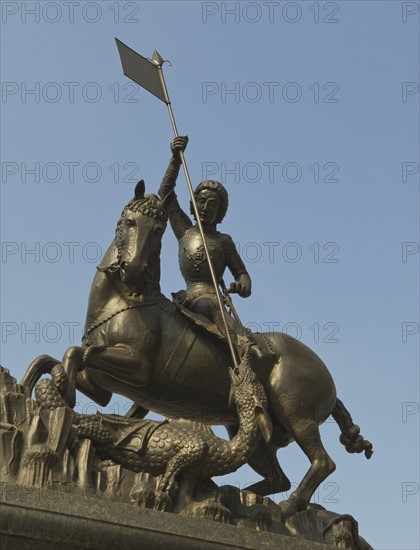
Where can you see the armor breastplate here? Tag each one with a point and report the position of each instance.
(193, 261)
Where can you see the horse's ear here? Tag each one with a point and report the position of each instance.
(139, 190)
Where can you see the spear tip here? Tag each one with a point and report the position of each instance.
(157, 59)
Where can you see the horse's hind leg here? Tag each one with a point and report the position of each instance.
(264, 461)
(307, 436)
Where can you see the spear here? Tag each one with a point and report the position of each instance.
(149, 75)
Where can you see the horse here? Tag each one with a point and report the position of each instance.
(138, 344)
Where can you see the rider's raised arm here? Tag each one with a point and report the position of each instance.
(242, 283)
(179, 220)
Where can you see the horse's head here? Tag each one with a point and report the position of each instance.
(138, 240)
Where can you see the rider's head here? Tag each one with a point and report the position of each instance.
(221, 192)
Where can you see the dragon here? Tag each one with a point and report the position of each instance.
(170, 447)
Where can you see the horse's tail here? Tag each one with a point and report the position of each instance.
(350, 433)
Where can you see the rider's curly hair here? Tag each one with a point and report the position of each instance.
(216, 186)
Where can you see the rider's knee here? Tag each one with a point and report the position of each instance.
(203, 306)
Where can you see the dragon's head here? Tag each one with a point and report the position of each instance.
(247, 390)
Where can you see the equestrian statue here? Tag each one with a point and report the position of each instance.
(174, 357)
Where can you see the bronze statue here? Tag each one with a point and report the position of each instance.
(182, 359)
(140, 345)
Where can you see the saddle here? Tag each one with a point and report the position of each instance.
(203, 323)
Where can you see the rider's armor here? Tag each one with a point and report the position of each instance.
(200, 293)
(195, 267)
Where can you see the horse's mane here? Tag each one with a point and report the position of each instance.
(148, 205)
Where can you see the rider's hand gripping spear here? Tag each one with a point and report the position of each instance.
(149, 75)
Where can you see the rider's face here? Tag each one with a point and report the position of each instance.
(208, 204)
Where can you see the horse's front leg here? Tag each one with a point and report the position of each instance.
(120, 362)
(39, 366)
(72, 362)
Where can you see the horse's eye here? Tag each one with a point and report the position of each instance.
(158, 229)
(129, 222)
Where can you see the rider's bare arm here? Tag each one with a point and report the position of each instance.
(242, 284)
(179, 220)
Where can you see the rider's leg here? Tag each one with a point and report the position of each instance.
(209, 307)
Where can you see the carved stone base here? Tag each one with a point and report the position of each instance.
(58, 493)
(34, 519)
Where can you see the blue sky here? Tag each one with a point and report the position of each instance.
(308, 113)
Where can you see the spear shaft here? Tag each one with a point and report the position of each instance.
(233, 352)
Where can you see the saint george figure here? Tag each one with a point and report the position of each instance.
(212, 203)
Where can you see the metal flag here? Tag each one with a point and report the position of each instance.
(141, 70)
(149, 75)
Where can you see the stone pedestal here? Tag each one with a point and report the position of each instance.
(33, 519)
(57, 494)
